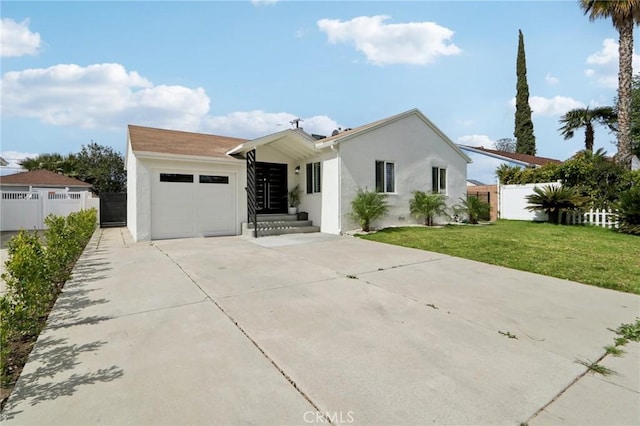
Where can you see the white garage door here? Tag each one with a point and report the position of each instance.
(185, 204)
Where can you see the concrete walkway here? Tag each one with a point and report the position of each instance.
(284, 330)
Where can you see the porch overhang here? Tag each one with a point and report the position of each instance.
(294, 144)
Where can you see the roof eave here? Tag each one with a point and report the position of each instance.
(149, 155)
(497, 156)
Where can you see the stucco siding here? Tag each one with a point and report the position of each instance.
(414, 147)
(132, 187)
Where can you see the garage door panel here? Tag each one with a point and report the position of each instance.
(189, 204)
(217, 207)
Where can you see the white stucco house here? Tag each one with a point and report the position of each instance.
(184, 184)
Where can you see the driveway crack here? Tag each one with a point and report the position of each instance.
(252, 340)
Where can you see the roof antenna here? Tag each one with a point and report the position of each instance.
(296, 122)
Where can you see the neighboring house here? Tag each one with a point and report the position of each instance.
(474, 182)
(486, 161)
(29, 197)
(184, 184)
(42, 179)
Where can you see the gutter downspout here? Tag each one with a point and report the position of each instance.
(334, 149)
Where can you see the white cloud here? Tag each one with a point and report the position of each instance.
(556, 106)
(418, 43)
(13, 158)
(99, 96)
(551, 79)
(107, 96)
(257, 123)
(16, 39)
(476, 140)
(604, 64)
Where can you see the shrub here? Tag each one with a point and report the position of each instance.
(368, 206)
(475, 208)
(35, 273)
(629, 211)
(427, 205)
(554, 200)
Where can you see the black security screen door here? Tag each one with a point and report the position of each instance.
(271, 188)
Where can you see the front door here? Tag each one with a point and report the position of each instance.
(271, 188)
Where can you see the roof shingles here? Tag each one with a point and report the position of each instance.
(526, 158)
(44, 178)
(148, 139)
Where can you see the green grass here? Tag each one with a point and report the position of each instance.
(586, 254)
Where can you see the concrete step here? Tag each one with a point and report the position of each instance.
(276, 217)
(281, 231)
(279, 224)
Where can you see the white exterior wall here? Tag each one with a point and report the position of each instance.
(132, 166)
(415, 148)
(323, 207)
(139, 188)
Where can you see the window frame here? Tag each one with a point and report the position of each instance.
(383, 186)
(314, 177)
(177, 177)
(439, 185)
(213, 179)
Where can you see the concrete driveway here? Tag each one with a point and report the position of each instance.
(313, 328)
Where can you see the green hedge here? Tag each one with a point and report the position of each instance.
(35, 273)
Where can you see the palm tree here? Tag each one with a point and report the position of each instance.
(624, 14)
(475, 208)
(368, 206)
(427, 205)
(554, 200)
(587, 117)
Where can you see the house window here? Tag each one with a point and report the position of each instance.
(385, 176)
(214, 179)
(176, 177)
(438, 180)
(314, 178)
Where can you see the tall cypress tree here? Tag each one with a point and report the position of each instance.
(525, 140)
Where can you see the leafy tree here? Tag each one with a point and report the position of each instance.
(505, 144)
(594, 176)
(586, 117)
(629, 211)
(624, 14)
(427, 205)
(525, 139)
(99, 165)
(368, 206)
(553, 200)
(55, 162)
(475, 208)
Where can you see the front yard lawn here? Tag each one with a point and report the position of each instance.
(586, 254)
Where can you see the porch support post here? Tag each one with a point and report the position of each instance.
(252, 215)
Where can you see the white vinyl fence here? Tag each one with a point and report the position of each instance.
(27, 210)
(513, 202)
(598, 217)
(513, 205)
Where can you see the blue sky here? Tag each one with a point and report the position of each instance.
(73, 72)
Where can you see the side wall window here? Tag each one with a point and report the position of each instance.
(438, 180)
(385, 176)
(314, 178)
